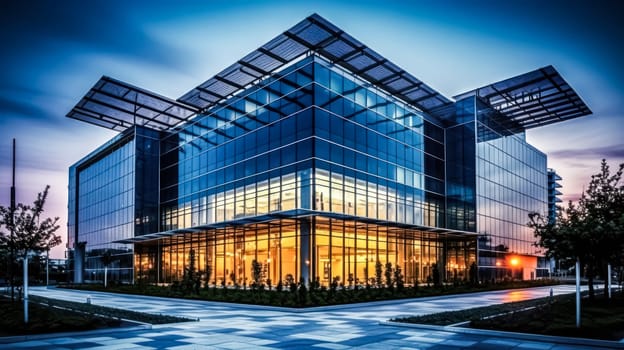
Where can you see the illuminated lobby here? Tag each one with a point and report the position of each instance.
(319, 159)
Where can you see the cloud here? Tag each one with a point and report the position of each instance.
(33, 28)
(565, 198)
(9, 106)
(606, 152)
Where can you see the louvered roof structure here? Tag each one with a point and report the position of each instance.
(529, 100)
(317, 35)
(533, 99)
(116, 105)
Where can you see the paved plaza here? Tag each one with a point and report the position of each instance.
(235, 326)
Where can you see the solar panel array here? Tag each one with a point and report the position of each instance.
(533, 99)
(117, 105)
(315, 35)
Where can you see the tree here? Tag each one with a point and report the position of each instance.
(32, 232)
(604, 204)
(378, 273)
(388, 275)
(435, 275)
(398, 278)
(208, 274)
(591, 231)
(190, 279)
(567, 238)
(256, 274)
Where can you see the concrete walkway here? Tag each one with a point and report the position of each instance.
(235, 326)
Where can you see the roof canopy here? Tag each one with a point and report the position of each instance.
(533, 99)
(117, 105)
(315, 34)
(529, 100)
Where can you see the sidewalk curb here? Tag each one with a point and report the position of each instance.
(609, 344)
(29, 337)
(336, 307)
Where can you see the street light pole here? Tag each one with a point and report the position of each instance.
(609, 279)
(26, 288)
(12, 214)
(578, 293)
(47, 266)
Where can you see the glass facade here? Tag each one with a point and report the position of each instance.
(312, 140)
(461, 173)
(511, 182)
(317, 158)
(344, 251)
(553, 194)
(111, 198)
(257, 153)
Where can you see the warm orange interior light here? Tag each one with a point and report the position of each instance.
(514, 261)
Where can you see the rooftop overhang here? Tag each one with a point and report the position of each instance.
(315, 35)
(533, 99)
(293, 214)
(116, 105)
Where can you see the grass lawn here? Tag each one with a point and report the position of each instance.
(600, 318)
(44, 319)
(52, 316)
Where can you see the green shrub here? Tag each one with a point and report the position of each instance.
(298, 295)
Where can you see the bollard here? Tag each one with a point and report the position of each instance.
(88, 299)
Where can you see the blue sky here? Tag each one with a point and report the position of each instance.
(54, 51)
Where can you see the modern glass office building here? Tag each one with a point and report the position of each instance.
(553, 194)
(317, 158)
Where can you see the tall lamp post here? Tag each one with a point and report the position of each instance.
(47, 266)
(578, 293)
(12, 214)
(27, 255)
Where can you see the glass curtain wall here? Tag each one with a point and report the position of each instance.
(460, 165)
(511, 182)
(247, 157)
(342, 251)
(312, 138)
(370, 151)
(256, 162)
(104, 193)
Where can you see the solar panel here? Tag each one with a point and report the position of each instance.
(529, 100)
(316, 34)
(533, 99)
(117, 105)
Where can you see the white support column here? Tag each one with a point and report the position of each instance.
(47, 267)
(578, 293)
(609, 279)
(25, 289)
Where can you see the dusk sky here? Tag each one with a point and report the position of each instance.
(54, 51)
